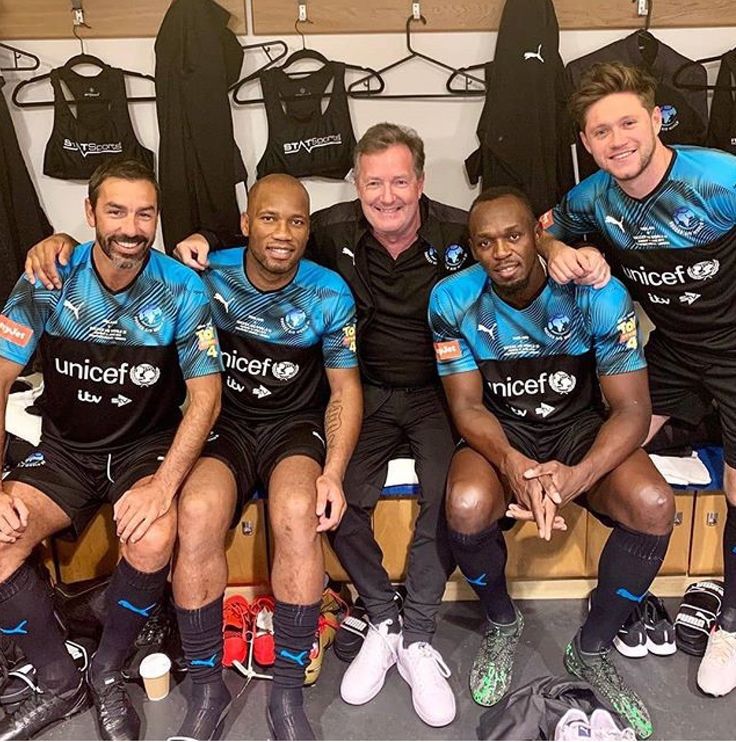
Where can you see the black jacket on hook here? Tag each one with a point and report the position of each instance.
(22, 220)
(722, 126)
(197, 59)
(524, 130)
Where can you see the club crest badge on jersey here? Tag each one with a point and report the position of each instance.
(295, 321)
(455, 257)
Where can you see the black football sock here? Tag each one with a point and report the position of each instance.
(131, 598)
(201, 640)
(628, 564)
(295, 629)
(27, 617)
(482, 560)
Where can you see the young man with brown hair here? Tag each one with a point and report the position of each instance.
(668, 216)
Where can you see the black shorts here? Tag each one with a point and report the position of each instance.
(685, 388)
(252, 451)
(80, 483)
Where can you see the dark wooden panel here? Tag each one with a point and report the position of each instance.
(52, 19)
(341, 16)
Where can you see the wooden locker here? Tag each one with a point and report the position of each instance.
(562, 557)
(706, 553)
(247, 550)
(677, 558)
(393, 526)
(94, 554)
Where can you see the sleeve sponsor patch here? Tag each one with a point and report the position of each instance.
(207, 340)
(14, 332)
(447, 351)
(348, 337)
(547, 219)
(627, 335)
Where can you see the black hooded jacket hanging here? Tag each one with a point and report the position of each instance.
(197, 59)
(524, 130)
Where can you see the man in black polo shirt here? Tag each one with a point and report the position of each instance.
(391, 246)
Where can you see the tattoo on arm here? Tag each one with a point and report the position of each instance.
(333, 421)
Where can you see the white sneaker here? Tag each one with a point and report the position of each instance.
(603, 727)
(717, 671)
(366, 674)
(573, 725)
(424, 669)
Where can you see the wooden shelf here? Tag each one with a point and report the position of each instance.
(378, 16)
(108, 19)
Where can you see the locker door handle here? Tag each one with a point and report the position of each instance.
(711, 519)
(246, 527)
(678, 518)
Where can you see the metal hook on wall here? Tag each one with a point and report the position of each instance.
(77, 21)
(302, 17)
(644, 8)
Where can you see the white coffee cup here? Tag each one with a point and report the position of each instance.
(154, 670)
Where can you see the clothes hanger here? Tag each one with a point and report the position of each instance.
(647, 43)
(468, 80)
(354, 92)
(305, 53)
(18, 56)
(692, 63)
(77, 59)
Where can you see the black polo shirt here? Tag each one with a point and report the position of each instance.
(396, 347)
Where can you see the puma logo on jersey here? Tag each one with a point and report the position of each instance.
(534, 55)
(73, 309)
(347, 251)
(618, 222)
(488, 330)
(261, 392)
(219, 297)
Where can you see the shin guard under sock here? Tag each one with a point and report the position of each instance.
(628, 564)
(130, 600)
(482, 559)
(295, 627)
(27, 617)
(201, 640)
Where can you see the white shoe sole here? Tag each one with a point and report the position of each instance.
(429, 721)
(661, 650)
(637, 652)
(716, 692)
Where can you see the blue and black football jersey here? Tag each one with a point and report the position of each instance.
(114, 363)
(539, 363)
(276, 344)
(675, 249)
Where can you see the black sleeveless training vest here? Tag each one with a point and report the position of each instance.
(302, 140)
(101, 129)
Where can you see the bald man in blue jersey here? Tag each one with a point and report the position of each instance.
(523, 361)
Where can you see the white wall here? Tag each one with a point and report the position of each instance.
(447, 125)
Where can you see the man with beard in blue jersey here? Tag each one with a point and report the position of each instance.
(521, 358)
(121, 343)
